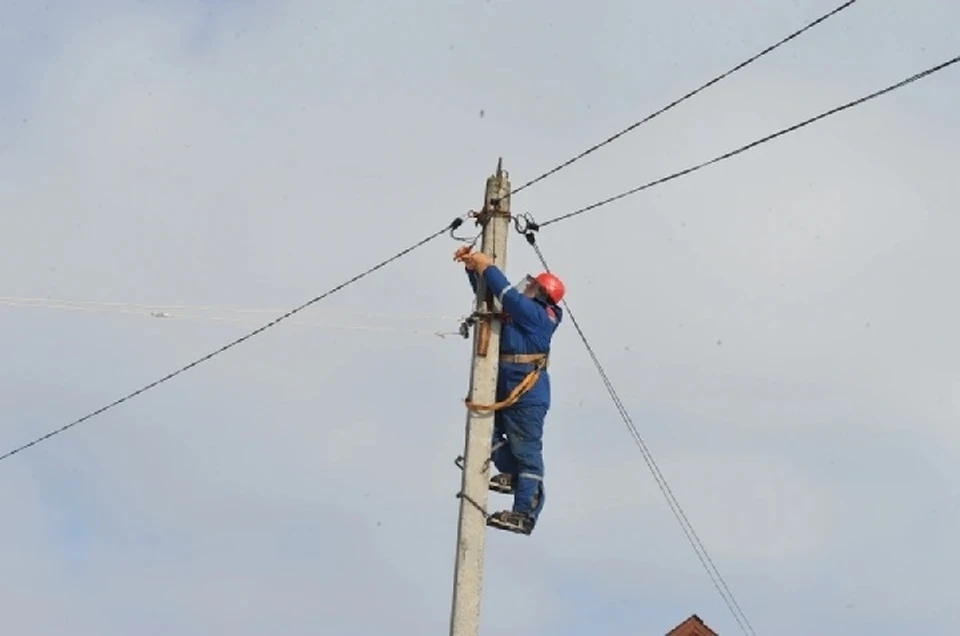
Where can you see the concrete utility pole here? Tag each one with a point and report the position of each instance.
(471, 532)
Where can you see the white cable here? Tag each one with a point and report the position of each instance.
(164, 312)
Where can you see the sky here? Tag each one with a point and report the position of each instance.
(780, 326)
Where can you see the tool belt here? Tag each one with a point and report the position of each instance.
(525, 358)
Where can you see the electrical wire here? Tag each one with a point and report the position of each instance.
(192, 313)
(157, 308)
(472, 241)
(169, 376)
(718, 582)
(676, 102)
(732, 153)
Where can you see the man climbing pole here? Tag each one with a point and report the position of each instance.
(530, 317)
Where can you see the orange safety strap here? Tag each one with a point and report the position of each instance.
(522, 387)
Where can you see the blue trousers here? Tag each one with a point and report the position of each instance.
(518, 451)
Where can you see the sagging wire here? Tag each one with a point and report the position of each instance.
(350, 281)
(191, 313)
(701, 551)
(755, 143)
(678, 101)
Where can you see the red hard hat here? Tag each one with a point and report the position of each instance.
(552, 285)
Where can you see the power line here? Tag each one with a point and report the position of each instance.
(718, 582)
(123, 306)
(456, 223)
(190, 313)
(758, 142)
(676, 102)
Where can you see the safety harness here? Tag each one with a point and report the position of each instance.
(539, 360)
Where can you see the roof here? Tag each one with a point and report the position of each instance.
(693, 626)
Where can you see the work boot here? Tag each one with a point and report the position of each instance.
(519, 522)
(502, 483)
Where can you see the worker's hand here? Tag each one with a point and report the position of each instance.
(461, 252)
(462, 255)
(477, 261)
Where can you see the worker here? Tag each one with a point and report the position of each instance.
(530, 316)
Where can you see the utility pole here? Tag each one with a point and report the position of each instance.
(471, 531)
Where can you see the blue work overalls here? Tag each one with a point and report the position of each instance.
(527, 327)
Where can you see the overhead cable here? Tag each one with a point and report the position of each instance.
(178, 313)
(456, 223)
(727, 155)
(676, 102)
(701, 551)
(158, 308)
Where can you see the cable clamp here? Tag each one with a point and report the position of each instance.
(468, 322)
(457, 222)
(524, 224)
(476, 317)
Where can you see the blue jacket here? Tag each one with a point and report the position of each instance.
(527, 327)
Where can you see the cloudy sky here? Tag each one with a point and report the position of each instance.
(782, 326)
